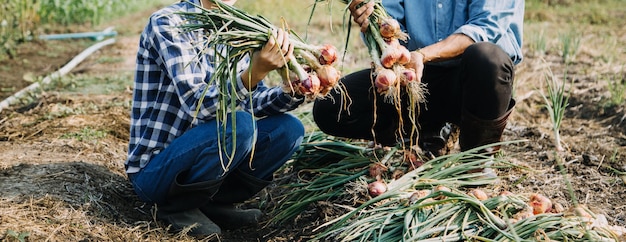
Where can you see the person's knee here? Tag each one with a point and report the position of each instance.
(292, 127)
(488, 66)
(486, 53)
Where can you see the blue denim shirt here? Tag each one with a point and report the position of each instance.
(430, 21)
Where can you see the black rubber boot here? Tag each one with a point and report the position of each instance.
(438, 140)
(237, 188)
(477, 132)
(181, 209)
(228, 216)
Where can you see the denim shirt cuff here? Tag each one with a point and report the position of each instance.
(474, 32)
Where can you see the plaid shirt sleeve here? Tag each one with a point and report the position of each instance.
(171, 78)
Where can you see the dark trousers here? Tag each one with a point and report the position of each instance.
(481, 84)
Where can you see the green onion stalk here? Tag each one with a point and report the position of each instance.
(233, 35)
(556, 102)
(242, 34)
(455, 215)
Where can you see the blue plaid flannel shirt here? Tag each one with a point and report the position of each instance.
(171, 74)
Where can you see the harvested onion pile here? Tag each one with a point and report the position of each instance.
(309, 72)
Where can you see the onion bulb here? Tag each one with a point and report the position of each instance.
(521, 215)
(328, 54)
(310, 86)
(328, 76)
(540, 203)
(397, 174)
(506, 193)
(406, 76)
(404, 55)
(418, 195)
(478, 194)
(442, 189)
(376, 188)
(389, 28)
(384, 79)
(580, 211)
(389, 57)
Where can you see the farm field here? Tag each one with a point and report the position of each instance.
(62, 149)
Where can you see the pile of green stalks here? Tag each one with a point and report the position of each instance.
(415, 207)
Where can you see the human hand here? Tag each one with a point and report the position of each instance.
(273, 55)
(360, 12)
(417, 63)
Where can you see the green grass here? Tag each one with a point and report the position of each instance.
(617, 89)
(581, 12)
(85, 134)
(570, 45)
(110, 59)
(88, 11)
(91, 84)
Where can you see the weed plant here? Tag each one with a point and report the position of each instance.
(617, 89)
(570, 44)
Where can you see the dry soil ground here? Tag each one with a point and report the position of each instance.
(61, 156)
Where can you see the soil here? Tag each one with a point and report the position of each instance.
(61, 179)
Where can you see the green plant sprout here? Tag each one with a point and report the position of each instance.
(538, 43)
(617, 89)
(570, 44)
(556, 101)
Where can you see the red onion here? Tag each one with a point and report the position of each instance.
(540, 203)
(389, 28)
(328, 54)
(384, 79)
(376, 188)
(328, 75)
(406, 76)
(404, 55)
(310, 86)
(389, 57)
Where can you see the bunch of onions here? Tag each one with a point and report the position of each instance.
(390, 60)
(309, 72)
(388, 55)
(312, 71)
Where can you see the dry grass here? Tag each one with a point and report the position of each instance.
(54, 189)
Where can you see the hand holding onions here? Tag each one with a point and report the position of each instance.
(307, 68)
(382, 35)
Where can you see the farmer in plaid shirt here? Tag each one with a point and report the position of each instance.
(174, 159)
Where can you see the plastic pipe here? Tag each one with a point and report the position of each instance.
(64, 70)
(108, 32)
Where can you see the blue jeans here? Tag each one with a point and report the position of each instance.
(196, 153)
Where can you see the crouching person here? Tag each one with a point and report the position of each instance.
(184, 161)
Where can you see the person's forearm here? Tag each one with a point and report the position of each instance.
(449, 48)
(251, 78)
